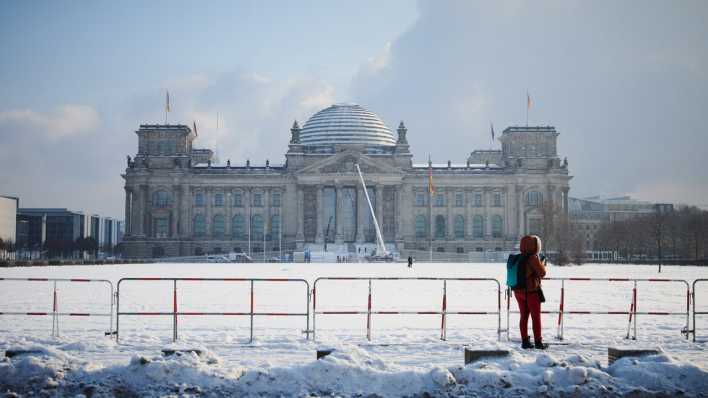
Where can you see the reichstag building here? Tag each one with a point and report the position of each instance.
(179, 203)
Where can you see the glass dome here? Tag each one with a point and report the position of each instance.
(346, 124)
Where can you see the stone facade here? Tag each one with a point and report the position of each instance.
(177, 203)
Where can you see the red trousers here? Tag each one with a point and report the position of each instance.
(529, 304)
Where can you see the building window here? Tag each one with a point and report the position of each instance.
(257, 199)
(219, 200)
(198, 251)
(218, 228)
(478, 227)
(477, 199)
(440, 227)
(420, 227)
(459, 199)
(479, 249)
(237, 199)
(275, 226)
(459, 227)
(257, 227)
(439, 200)
(460, 250)
(419, 199)
(199, 199)
(497, 199)
(497, 226)
(275, 199)
(440, 250)
(162, 227)
(238, 227)
(533, 198)
(199, 225)
(161, 199)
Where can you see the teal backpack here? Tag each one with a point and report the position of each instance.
(516, 271)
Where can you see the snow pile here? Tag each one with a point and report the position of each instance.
(349, 371)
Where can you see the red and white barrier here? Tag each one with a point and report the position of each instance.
(370, 311)
(632, 313)
(175, 313)
(55, 313)
(695, 299)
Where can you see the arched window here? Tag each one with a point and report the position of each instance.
(199, 199)
(199, 225)
(218, 227)
(497, 226)
(257, 227)
(275, 227)
(161, 199)
(440, 227)
(478, 227)
(459, 227)
(421, 229)
(533, 198)
(238, 227)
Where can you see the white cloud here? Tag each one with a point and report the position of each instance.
(65, 120)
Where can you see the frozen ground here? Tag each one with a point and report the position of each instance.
(404, 358)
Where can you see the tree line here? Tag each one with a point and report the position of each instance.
(681, 234)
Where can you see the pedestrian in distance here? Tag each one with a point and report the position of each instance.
(410, 262)
(524, 274)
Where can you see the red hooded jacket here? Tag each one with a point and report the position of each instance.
(535, 269)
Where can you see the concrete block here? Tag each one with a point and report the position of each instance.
(324, 352)
(14, 353)
(472, 355)
(614, 354)
(168, 351)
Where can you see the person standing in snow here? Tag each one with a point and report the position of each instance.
(410, 262)
(530, 297)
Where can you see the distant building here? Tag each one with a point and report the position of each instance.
(179, 202)
(8, 215)
(36, 226)
(588, 214)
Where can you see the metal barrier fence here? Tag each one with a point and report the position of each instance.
(695, 328)
(632, 313)
(252, 313)
(443, 312)
(55, 313)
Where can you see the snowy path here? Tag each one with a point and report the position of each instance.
(402, 347)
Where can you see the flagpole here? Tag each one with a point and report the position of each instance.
(527, 109)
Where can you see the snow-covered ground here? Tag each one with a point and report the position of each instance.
(405, 356)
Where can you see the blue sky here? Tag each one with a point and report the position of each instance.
(624, 83)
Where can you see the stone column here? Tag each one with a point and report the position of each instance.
(379, 207)
(267, 213)
(247, 216)
(449, 224)
(487, 219)
(320, 216)
(468, 219)
(520, 210)
(175, 219)
(400, 199)
(228, 202)
(565, 191)
(186, 217)
(128, 210)
(300, 219)
(339, 195)
(209, 198)
(144, 203)
(360, 204)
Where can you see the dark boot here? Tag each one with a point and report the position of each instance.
(526, 344)
(540, 345)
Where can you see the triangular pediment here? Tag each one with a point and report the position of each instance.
(343, 162)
